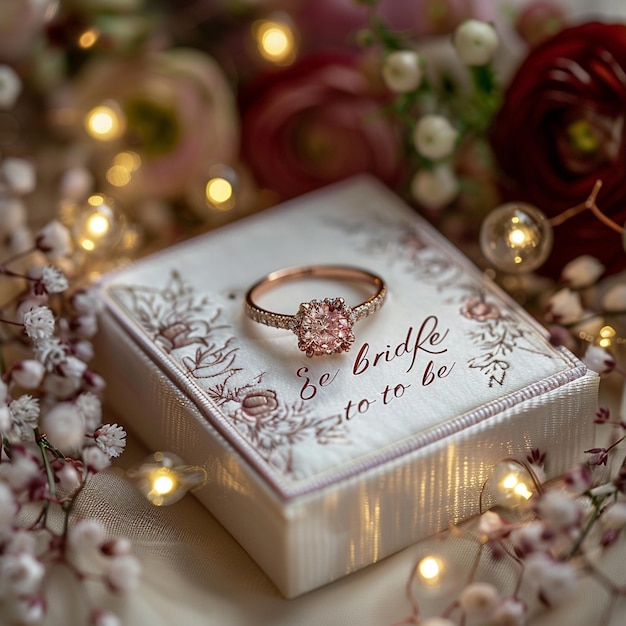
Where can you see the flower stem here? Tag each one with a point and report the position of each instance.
(597, 505)
(41, 442)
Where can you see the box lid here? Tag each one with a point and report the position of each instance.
(447, 350)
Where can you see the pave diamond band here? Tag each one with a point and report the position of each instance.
(322, 326)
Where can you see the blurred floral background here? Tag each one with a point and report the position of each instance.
(182, 116)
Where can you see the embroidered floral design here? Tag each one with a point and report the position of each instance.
(477, 308)
(492, 329)
(189, 329)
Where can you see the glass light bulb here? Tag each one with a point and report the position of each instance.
(511, 485)
(516, 237)
(98, 225)
(164, 478)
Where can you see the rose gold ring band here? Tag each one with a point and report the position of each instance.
(322, 326)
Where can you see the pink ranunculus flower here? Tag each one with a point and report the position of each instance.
(315, 123)
(179, 112)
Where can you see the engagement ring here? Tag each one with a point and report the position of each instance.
(322, 326)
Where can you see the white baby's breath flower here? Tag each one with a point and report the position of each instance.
(117, 546)
(479, 600)
(615, 298)
(402, 71)
(511, 612)
(5, 418)
(8, 506)
(94, 382)
(434, 137)
(553, 581)
(101, 617)
(69, 477)
(531, 537)
(558, 510)
(564, 307)
(72, 367)
(475, 42)
(75, 184)
(22, 470)
(39, 323)
(85, 326)
(599, 360)
(61, 387)
(28, 610)
(10, 87)
(54, 240)
(111, 439)
(435, 188)
(86, 301)
(90, 407)
(64, 426)
(614, 516)
(20, 240)
(582, 271)
(123, 573)
(50, 352)
(28, 373)
(95, 459)
(22, 540)
(13, 214)
(25, 415)
(53, 279)
(19, 174)
(86, 535)
(489, 523)
(83, 350)
(21, 574)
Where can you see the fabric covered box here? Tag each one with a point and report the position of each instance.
(320, 466)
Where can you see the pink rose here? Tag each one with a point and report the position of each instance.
(180, 116)
(315, 123)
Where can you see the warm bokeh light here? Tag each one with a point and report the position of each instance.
(429, 569)
(88, 38)
(219, 193)
(121, 171)
(606, 335)
(512, 484)
(97, 227)
(164, 479)
(163, 484)
(275, 41)
(104, 123)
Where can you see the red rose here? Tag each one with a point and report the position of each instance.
(561, 128)
(315, 123)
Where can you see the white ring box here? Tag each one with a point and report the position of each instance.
(320, 466)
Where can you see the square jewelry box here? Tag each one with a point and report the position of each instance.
(320, 466)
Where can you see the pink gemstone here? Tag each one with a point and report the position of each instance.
(325, 327)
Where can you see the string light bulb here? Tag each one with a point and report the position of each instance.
(105, 122)
(516, 238)
(98, 225)
(433, 574)
(220, 188)
(513, 486)
(275, 40)
(164, 479)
